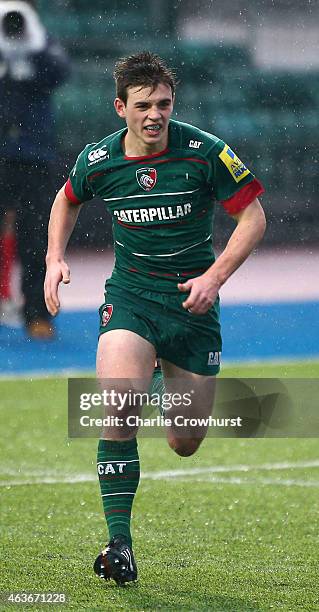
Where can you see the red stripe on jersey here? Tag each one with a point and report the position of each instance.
(175, 159)
(153, 273)
(151, 156)
(138, 227)
(200, 270)
(162, 274)
(174, 275)
(118, 476)
(202, 213)
(155, 226)
(92, 176)
(68, 190)
(243, 198)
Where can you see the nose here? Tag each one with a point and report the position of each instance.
(154, 113)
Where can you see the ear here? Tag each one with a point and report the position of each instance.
(120, 107)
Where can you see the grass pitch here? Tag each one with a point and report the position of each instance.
(235, 527)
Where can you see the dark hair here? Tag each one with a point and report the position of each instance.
(143, 69)
(13, 24)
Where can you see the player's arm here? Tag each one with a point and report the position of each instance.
(203, 290)
(251, 226)
(64, 214)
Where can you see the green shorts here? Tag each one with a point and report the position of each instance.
(191, 342)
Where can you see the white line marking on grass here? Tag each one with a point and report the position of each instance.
(86, 372)
(49, 374)
(54, 478)
(212, 479)
(231, 468)
(257, 481)
(63, 479)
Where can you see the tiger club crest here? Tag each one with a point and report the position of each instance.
(106, 314)
(146, 178)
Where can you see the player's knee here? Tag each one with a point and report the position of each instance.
(184, 447)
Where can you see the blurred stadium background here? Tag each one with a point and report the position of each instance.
(248, 73)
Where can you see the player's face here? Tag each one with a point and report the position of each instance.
(147, 114)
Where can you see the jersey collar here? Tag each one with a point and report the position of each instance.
(151, 156)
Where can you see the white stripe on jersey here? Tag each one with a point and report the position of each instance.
(150, 195)
(167, 254)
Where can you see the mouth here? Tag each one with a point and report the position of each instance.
(153, 129)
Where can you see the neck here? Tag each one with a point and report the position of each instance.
(137, 148)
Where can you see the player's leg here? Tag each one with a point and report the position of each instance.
(184, 437)
(33, 213)
(126, 361)
(7, 253)
(8, 198)
(124, 354)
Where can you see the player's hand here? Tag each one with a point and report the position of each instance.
(202, 290)
(57, 272)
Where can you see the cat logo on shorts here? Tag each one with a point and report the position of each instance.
(106, 314)
(146, 178)
(214, 358)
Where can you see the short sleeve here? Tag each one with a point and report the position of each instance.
(77, 187)
(228, 173)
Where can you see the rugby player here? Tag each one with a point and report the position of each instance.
(160, 180)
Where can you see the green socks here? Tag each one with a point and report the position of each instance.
(158, 386)
(118, 469)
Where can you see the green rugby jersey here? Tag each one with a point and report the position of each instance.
(162, 205)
